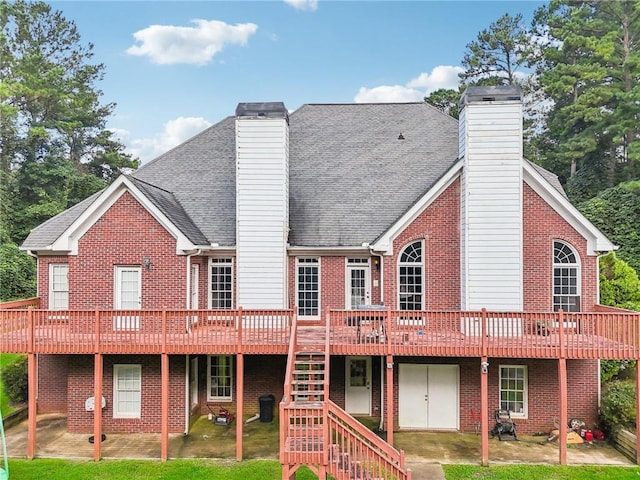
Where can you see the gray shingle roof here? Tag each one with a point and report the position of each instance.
(351, 177)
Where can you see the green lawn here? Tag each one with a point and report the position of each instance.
(540, 472)
(270, 469)
(148, 470)
(6, 359)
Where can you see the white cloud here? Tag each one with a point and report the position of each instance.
(415, 89)
(170, 44)
(310, 5)
(174, 133)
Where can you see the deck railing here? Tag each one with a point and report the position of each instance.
(145, 331)
(610, 334)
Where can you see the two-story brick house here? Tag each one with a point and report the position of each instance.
(423, 255)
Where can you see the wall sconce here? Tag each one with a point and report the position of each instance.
(146, 261)
(376, 262)
(484, 367)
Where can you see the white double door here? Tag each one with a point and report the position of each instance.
(428, 396)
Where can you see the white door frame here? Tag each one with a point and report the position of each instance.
(352, 267)
(357, 399)
(432, 399)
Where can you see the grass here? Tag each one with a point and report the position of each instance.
(53, 469)
(539, 472)
(149, 470)
(6, 359)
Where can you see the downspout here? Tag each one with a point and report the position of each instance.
(31, 254)
(187, 403)
(381, 426)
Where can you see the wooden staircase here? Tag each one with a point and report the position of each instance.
(317, 433)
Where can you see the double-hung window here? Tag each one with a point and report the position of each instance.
(566, 278)
(219, 378)
(221, 275)
(58, 287)
(513, 390)
(308, 287)
(127, 391)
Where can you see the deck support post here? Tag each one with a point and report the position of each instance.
(389, 399)
(484, 409)
(562, 387)
(98, 367)
(239, 404)
(32, 379)
(637, 415)
(164, 408)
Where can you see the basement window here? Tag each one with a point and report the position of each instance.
(513, 390)
(220, 378)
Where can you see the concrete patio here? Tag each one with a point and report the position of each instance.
(425, 450)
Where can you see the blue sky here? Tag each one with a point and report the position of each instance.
(174, 68)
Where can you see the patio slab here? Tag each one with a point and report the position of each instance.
(423, 449)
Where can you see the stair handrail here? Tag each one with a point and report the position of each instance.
(286, 399)
(390, 455)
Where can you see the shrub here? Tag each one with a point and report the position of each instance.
(16, 381)
(618, 408)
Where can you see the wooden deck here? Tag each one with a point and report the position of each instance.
(601, 335)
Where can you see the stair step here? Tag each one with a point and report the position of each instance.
(308, 362)
(307, 382)
(300, 404)
(310, 352)
(308, 372)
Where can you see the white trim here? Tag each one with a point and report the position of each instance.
(423, 268)
(117, 285)
(363, 264)
(596, 240)
(68, 240)
(525, 397)
(231, 265)
(137, 370)
(52, 267)
(213, 398)
(193, 386)
(384, 244)
(317, 264)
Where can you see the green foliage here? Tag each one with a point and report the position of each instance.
(17, 273)
(445, 100)
(619, 282)
(616, 212)
(15, 380)
(497, 53)
(618, 406)
(587, 68)
(54, 147)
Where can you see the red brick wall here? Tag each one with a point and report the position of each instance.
(439, 227)
(52, 383)
(543, 392)
(542, 225)
(123, 236)
(80, 387)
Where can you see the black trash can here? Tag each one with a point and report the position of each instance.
(266, 408)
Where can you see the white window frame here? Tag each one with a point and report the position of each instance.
(219, 398)
(570, 266)
(354, 263)
(420, 264)
(525, 395)
(134, 390)
(226, 262)
(56, 288)
(305, 262)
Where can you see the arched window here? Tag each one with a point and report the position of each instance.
(410, 277)
(566, 278)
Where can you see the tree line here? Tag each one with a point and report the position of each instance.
(577, 64)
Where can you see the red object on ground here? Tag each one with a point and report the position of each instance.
(598, 434)
(588, 436)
